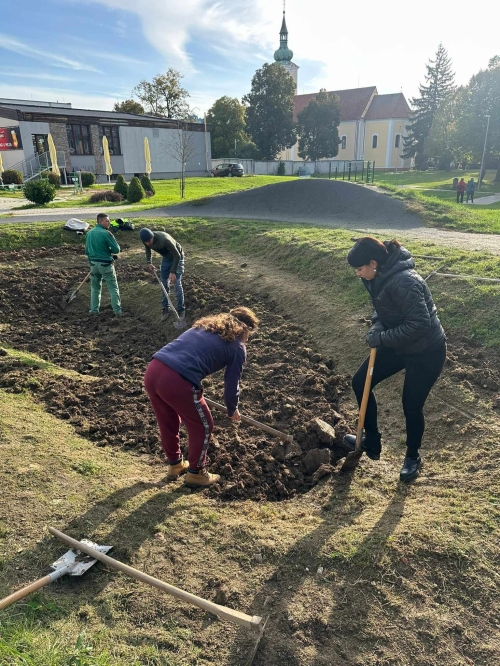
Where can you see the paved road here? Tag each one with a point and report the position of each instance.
(312, 201)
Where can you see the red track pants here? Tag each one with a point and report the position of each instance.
(175, 400)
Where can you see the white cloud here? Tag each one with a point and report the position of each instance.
(55, 59)
(78, 99)
(39, 76)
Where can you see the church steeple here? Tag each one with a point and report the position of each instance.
(283, 54)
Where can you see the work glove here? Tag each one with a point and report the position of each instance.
(373, 337)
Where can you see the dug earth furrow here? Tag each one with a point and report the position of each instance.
(285, 384)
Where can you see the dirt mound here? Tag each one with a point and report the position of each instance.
(319, 201)
(285, 384)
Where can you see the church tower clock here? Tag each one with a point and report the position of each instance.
(284, 55)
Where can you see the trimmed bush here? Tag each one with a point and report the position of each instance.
(281, 169)
(121, 186)
(39, 192)
(53, 178)
(106, 195)
(12, 177)
(88, 179)
(135, 190)
(147, 184)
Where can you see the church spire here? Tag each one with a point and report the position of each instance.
(283, 54)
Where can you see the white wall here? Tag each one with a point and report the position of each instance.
(11, 157)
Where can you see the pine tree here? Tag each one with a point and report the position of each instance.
(121, 186)
(135, 191)
(439, 83)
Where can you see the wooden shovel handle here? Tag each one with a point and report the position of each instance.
(243, 620)
(29, 589)
(252, 422)
(364, 401)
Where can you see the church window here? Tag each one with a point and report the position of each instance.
(343, 142)
(374, 140)
(397, 143)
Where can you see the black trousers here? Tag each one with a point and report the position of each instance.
(422, 371)
(460, 195)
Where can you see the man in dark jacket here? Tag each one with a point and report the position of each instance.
(172, 266)
(408, 336)
(461, 186)
(100, 246)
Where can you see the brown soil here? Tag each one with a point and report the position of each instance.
(285, 384)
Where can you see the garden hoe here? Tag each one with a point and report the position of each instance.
(179, 323)
(67, 299)
(353, 457)
(73, 563)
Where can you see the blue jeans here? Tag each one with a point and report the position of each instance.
(166, 266)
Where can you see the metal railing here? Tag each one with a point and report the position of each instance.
(33, 166)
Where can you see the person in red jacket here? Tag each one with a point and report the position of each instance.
(461, 187)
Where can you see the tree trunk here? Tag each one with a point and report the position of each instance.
(497, 177)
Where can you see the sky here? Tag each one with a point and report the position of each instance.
(93, 52)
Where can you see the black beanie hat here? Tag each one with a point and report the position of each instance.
(366, 250)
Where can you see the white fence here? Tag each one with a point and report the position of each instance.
(346, 169)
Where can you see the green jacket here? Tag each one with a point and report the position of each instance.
(167, 246)
(100, 244)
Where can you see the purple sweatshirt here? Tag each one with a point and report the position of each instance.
(198, 353)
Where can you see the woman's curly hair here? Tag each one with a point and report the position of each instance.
(230, 326)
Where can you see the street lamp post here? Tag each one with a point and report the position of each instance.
(484, 154)
(235, 142)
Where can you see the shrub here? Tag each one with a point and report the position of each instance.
(53, 178)
(12, 177)
(88, 178)
(147, 184)
(121, 186)
(39, 191)
(135, 190)
(281, 169)
(106, 195)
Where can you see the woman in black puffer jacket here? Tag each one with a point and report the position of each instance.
(408, 335)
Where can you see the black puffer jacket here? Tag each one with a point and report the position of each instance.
(404, 305)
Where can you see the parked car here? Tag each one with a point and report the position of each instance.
(230, 169)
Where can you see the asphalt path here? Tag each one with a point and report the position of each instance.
(319, 202)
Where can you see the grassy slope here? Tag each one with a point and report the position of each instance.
(167, 192)
(439, 208)
(399, 564)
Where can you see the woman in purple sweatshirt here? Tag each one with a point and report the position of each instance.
(173, 383)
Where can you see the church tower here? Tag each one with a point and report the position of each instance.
(284, 55)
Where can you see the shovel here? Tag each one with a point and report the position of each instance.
(74, 563)
(353, 457)
(67, 299)
(179, 324)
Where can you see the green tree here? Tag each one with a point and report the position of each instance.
(441, 144)
(129, 106)
(439, 83)
(318, 127)
(135, 191)
(121, 186)
(164, 95)
(226, 119)
(269, 113)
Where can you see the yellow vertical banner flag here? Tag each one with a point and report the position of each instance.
(107, 158)
(53, 155)
(147, 156)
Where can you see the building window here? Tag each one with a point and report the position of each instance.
(397, 142)
(79, 139)
(343, 142)
(113, 135)
(374, 140)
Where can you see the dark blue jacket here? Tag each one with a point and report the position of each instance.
(197, 353)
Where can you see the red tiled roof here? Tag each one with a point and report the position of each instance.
(388, 106)
(352, 102)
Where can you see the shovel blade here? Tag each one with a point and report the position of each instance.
(351, 461)
(77, 561)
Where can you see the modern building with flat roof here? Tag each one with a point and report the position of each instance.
(78, 133)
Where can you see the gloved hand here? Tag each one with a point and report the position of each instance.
(373, 337)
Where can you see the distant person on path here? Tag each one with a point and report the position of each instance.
(173, 383)
(461, 186)
(172, 266)
(471, 188)
(408, 336)
(455, 183)
(100, 246)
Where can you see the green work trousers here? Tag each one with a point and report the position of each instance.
(97, 273)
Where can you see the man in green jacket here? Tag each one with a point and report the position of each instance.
(172, 265)
(100, 247)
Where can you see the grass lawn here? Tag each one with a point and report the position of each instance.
(167, 192)
(430, 194)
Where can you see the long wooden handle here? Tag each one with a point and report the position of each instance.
(364, 401)
(252, 422)
(20, 594)
(167, 295)
(82, 283)
(243, 620)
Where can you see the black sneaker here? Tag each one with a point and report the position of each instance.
(411, 469)
(371, 444)
(166, 314)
